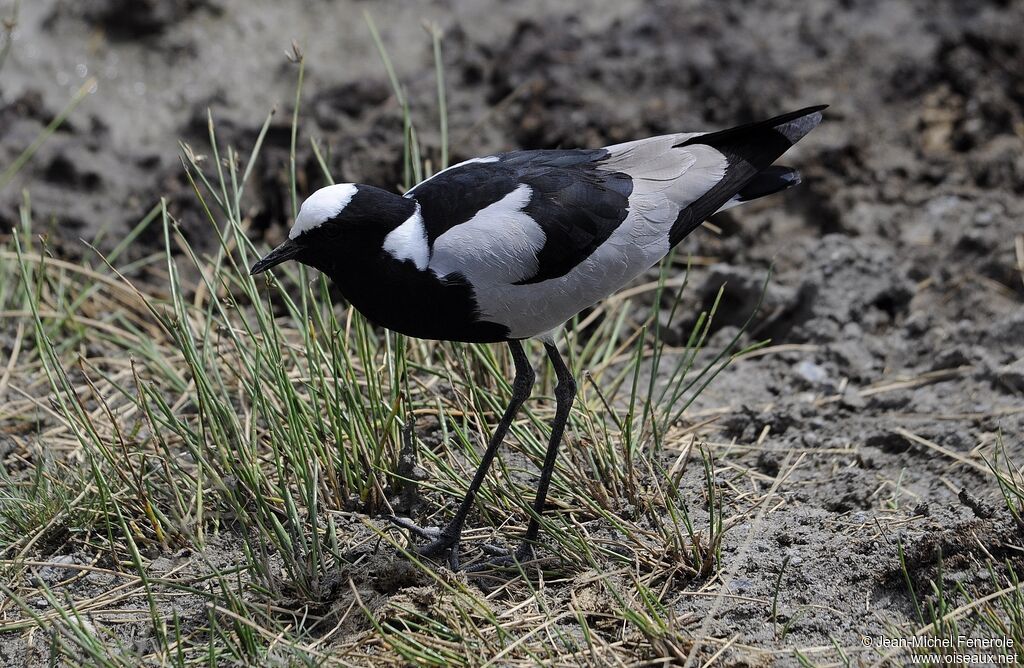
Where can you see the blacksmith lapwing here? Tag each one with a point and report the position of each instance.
(511, 246)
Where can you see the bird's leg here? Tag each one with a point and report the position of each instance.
(447, 538)
(565, 394)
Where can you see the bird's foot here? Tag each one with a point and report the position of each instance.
(439, 541)
(502, 558)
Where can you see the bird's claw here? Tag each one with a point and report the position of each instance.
(429, 533)
(503, 558)
(495, 550)
(440, 541)
(446, 540)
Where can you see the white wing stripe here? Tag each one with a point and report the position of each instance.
(497, 246)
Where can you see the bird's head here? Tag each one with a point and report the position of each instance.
(336, 222)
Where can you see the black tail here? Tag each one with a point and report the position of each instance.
(768, 181)
(749, 151)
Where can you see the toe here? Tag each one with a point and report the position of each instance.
(453, 557)
(429, 533)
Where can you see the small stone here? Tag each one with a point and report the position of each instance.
(96, 578)
(851, 399)
(951, 358)
(1011, 376)
(740, 584)
(888, 441)
(982, 509)
(768, 463)
(917, 324)
(811, 372)
(53, 571)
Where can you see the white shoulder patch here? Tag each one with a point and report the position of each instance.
(321, 206)
(408, 241)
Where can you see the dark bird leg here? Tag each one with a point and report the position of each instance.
(565, 394)
(447, 539)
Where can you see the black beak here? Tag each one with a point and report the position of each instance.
(282, 253)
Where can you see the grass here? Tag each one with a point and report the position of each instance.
(994, 612)
(196, 464)
(257, 428)
(946, 608)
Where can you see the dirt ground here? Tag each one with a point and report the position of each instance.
(896, 303)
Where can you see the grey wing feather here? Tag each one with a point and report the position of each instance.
(666, 177)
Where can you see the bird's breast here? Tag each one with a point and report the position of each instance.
(415, 302)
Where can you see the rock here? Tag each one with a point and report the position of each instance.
(813, 373)
(768, 463)
(888, 441)
(851, 399)
(951, 358)
(53, 572)
(1011, 376)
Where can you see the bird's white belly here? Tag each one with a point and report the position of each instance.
(535, 308)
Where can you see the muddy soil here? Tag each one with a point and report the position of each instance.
(897, 295)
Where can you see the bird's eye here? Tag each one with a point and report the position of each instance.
(331, 230)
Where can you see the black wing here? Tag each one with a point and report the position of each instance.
(576, 204)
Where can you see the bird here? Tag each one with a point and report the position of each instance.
(510, 246)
